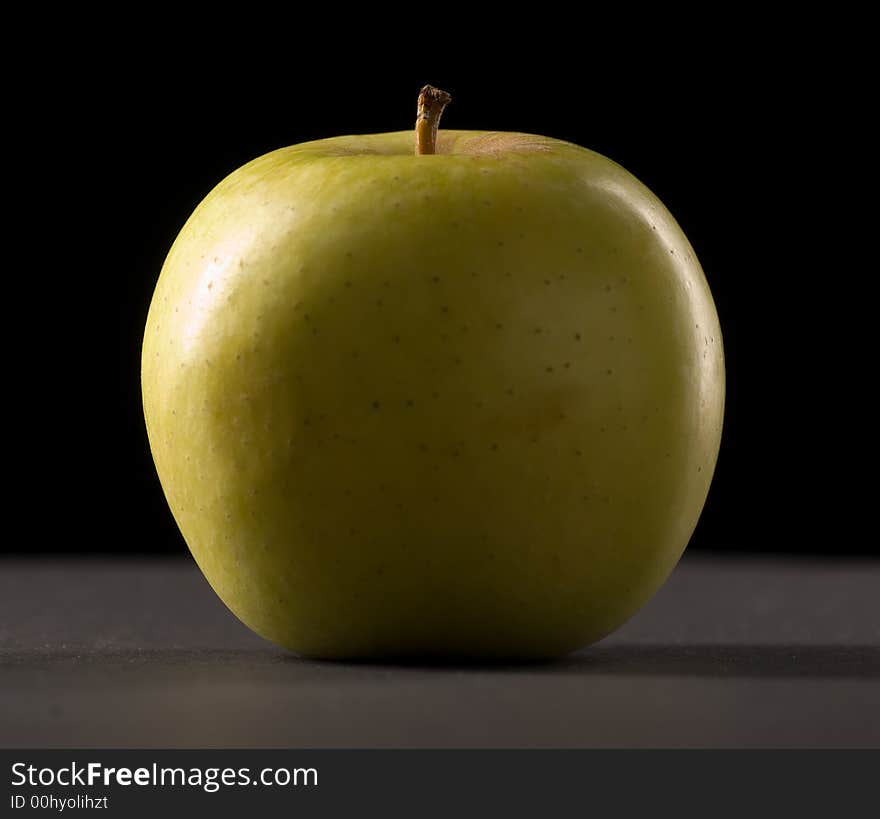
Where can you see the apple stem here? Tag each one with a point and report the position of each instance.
(432, 101)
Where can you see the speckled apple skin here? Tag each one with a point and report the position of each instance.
(462, 404)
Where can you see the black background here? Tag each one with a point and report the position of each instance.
(119, 144)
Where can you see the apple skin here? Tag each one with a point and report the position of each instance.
(460, 404)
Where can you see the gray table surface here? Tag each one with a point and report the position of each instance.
(732, 652)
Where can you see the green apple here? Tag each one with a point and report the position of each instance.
(466, 402)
